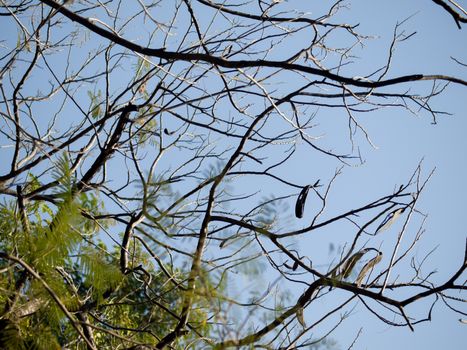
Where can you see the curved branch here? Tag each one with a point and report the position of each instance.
(266, 18)
(222, 62)
(249, 339)
(457, 17)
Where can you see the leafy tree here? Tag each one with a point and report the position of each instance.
(143, 141)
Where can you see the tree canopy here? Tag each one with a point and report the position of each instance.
(167, 165)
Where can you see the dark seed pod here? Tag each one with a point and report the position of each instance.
(300, 204)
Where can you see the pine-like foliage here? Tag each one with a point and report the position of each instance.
(59, 242)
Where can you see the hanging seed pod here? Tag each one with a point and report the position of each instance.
(292, 267)
(390, 219)
(300, 317)
(368, 266)
(300, 204)
(167, 132)
(352, 261)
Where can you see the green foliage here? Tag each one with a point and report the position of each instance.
(10, 337)
(62, 245)
(8, 226)
(96, 104)
(98, 274)
(60, 242)
(147, 127)
(91, 206)
(270, 211)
